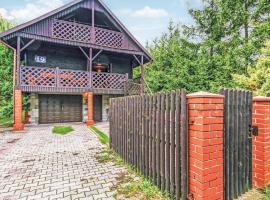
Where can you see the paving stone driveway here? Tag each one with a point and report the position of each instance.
(41, 165)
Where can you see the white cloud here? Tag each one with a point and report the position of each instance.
(4, 13)
(150, 12)
(31, 10)
(146, 12)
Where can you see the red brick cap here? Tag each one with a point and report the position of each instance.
(202, 94)
(261, 98)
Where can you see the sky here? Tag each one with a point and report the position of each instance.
(146, 19)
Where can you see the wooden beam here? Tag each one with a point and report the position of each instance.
(90, 59)
(100, 51)
(28, 44)
(18, 59)
(142, 75)
(85, 53)
(22, 42)
(90, 66)
(137, 59)
(77, 44)
(93, 13)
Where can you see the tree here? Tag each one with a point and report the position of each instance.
(225, 39)
(218, 54)
(247, 27)
(175, 63)
(258, 77)
(6, 67)
(230, 35)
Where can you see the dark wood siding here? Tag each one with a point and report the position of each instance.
(60, 109)
(121, 65)
(73, 58)
(97, 108)
(57, 56)
(43, 27)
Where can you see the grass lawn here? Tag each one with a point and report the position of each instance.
(104, 139)
(267, 194)
(130, 184)
(62, 130)
(257, 194)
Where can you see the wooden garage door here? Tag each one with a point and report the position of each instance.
(60, 109)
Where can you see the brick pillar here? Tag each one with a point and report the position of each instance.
(205, 113)
(18, 125)
(261, 143)
(90, 105)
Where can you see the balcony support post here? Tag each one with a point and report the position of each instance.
(126, 85)
(57, 77)
(18, 59)
(142, 75)
(93, 13)
(90, 66)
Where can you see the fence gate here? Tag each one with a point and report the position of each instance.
(237, 143)
(150, 132)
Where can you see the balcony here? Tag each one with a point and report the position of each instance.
(37, 79)
(84, 33)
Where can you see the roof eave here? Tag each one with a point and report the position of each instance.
(33, 21)
(126, 30)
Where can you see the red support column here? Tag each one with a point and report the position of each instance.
(261, 143)
(90, 105)
(18, 124)
(205, 113)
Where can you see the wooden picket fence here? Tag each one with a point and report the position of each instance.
(150, 133)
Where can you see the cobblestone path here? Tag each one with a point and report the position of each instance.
(41, 165)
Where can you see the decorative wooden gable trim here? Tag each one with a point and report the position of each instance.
(49, 26)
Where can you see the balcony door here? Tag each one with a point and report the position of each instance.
(60, 109)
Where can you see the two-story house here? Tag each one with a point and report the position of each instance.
(71, 61)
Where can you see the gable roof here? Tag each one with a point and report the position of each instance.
(49, 14)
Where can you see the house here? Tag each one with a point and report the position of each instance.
(71, 61)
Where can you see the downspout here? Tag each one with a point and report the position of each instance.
(14, 68)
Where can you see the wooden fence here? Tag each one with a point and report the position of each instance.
(237, 143)
(150, 133)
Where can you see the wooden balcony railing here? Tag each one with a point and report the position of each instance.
(38, 79)
(83, 33)
(133, 88)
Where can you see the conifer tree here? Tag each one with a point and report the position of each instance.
(258, 77)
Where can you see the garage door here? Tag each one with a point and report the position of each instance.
(60, 109)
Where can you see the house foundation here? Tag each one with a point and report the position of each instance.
(34, 109)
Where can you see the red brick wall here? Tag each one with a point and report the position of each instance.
(205, 146)
(261, 143)
(90, 105)
(18, 125)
